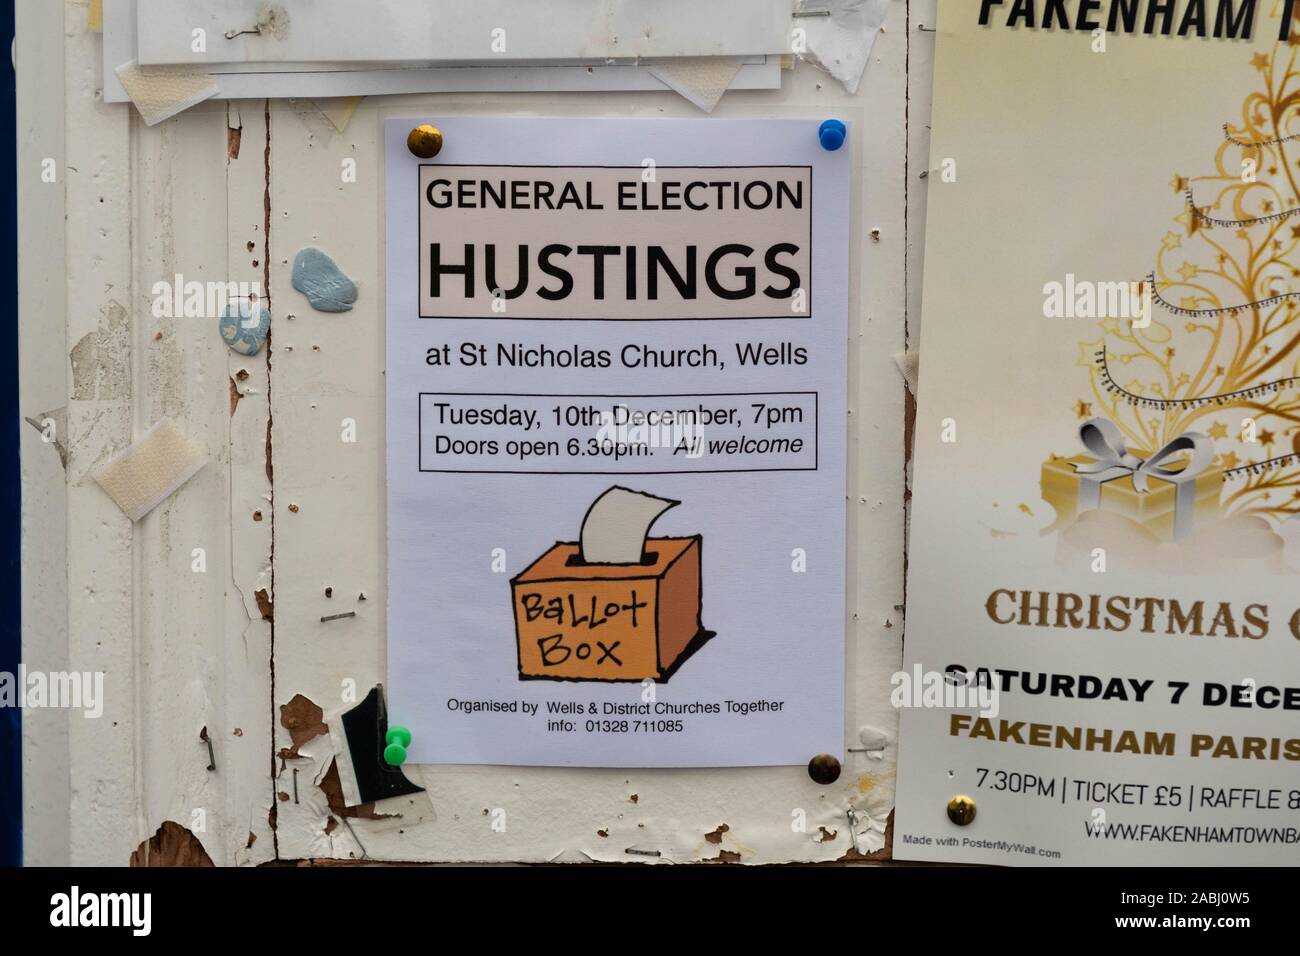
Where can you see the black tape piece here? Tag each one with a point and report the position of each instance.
(365, 727)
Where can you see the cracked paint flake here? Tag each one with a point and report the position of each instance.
(172, 845)
(101, 360)
(305, 720)
(264, 605)
(876, 838)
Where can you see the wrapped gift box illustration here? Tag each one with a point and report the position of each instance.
(581, 618)
(1165, 492)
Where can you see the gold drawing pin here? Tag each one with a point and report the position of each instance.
(961, 810)
(425, 141)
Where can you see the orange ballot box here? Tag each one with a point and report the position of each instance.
(610, 622)
(619, 606)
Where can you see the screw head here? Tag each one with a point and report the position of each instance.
(961, 810)
(425, 141)
(824, 769)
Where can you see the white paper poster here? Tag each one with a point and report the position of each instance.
(616, 422)
(1103, 626)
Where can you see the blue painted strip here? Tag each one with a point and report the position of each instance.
(11, 768)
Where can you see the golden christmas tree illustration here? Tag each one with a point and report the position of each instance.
(1221, 355)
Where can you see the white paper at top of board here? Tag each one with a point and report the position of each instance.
(324, 79)
(447, 31)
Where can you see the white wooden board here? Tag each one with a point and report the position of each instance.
(283, 509)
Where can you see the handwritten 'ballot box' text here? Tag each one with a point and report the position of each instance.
(609, 622)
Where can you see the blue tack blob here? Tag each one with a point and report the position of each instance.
(832, 134)
(317, 277)
(244, 327)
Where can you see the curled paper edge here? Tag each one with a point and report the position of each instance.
(841, 43)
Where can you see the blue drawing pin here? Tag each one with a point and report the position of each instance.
(832, 134)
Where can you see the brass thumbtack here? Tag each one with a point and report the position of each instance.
(824, 769)
(961, 810)
(425, 141)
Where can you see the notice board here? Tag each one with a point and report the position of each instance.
(286, 626)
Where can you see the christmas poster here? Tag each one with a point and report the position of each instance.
(1102, 656)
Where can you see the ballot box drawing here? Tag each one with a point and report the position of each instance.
(631, 619)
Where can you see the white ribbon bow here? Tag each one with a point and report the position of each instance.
(1105, 443)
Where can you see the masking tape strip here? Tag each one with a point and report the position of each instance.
(160, 96)
(909, 364)
(701, 79)
(147, 473)
(95, 17)
(338, 110)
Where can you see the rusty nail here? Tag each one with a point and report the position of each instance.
(337, 617)
(212, 759)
